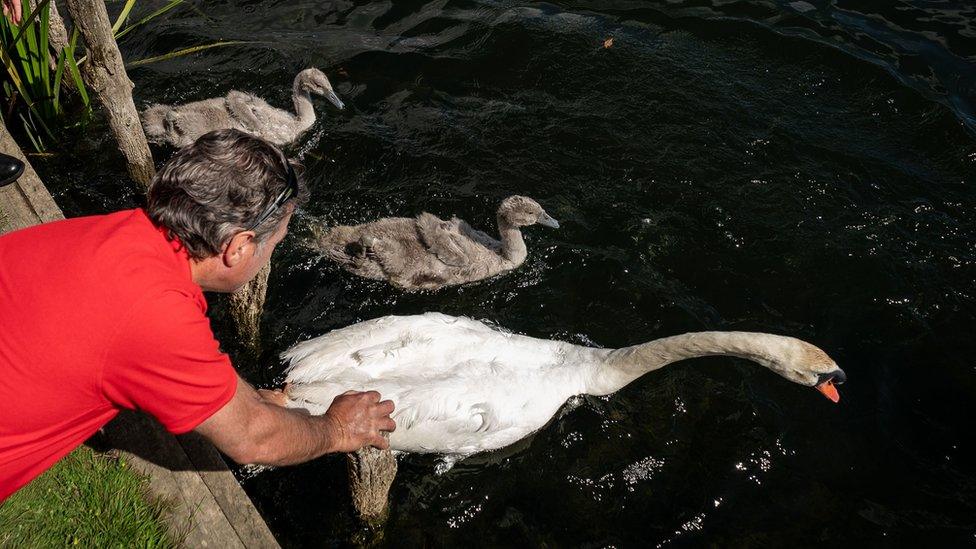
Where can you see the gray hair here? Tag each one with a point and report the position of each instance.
(216, 187)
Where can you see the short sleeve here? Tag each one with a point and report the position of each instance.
(165, 361)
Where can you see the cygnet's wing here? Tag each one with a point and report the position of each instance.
(480, 237)
(242, 106)
(444, 239)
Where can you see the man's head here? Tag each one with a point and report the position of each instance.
(211, 194)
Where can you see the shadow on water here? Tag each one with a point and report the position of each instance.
(795, 167)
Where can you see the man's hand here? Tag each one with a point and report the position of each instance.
(274, 396)
(12, 9)
(253, 428)
(358, 419)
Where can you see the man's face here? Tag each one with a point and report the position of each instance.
(250, 263)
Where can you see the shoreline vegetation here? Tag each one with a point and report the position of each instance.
(88, 499)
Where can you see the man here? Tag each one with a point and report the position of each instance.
(107, 312)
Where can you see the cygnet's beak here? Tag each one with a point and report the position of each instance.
(548, 221)
(334, 99)
(825, 384)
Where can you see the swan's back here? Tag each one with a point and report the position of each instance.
(459, 386)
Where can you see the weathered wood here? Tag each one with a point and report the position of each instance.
(57, 33)
(233, 501)
(246, 306)
(208, 506)
(371, 473)
(26, 201)
(104, 73)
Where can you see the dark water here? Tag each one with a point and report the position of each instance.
(804, 168)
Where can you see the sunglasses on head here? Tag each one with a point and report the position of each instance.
(291, 190)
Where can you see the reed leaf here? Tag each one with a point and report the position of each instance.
(14, 75)
(45, 60)
(31, 131)
(26, 23)
(58, 75)
(73, 68)
(148, 18)
(186, 51)
(125, 13)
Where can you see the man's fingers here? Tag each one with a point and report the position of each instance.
(274, 397)
(380, 442)
(12, 9)
(385, 407)
(373, 396)
(387, 425)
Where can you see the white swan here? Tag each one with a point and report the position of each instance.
(180, 125)
(462, 387)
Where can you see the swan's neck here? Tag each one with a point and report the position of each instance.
(621, 366)
(303, 107)
(513, 247)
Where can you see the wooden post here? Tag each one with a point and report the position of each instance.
(371, 474)
(246, 306)
(57, 36)
(104, 73)
(57, 33)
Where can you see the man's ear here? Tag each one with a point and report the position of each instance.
(240, 247)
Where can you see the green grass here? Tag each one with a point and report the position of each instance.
(89, 500)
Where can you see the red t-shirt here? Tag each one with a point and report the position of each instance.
(97, 314)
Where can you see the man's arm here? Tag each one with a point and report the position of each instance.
(250, 429)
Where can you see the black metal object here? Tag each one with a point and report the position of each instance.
(10, 169)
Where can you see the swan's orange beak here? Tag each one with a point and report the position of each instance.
(826, 384)
(829, 391)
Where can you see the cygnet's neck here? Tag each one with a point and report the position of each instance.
(303, 106)
(622, 366)
(513, 247)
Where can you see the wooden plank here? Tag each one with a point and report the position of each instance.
(233, 501)
(172, 476)
(25, 202)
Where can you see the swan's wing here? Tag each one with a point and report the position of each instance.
(433, 415)
(384, 345)
(445, 241)
(435, 425)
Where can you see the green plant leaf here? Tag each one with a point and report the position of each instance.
(148, 18)
(186, 51)
(25, 23)
(43, 48)
(58, 75)
(73, 68)
(14, 74)
(31, 132)
(125, 13)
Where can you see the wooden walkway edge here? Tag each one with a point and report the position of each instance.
(209, 507)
